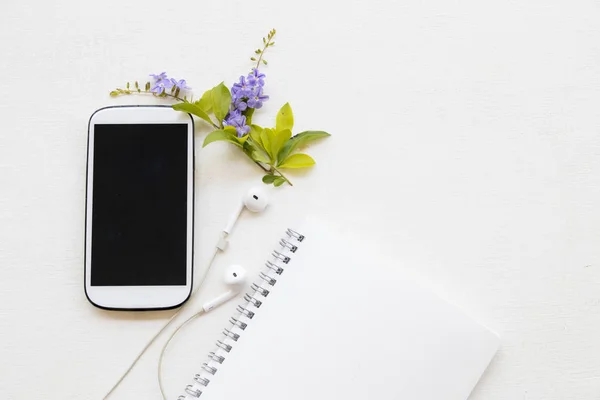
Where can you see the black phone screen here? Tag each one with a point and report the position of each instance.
(140, 207)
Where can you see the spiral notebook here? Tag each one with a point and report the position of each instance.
(325, 320)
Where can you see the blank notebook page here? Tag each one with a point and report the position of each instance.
(342, 324)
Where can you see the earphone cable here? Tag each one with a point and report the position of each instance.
(168, 323)
(164, 349)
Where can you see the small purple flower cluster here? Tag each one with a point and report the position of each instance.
(245, 94)
(163, 83)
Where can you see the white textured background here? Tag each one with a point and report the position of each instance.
(466, 139)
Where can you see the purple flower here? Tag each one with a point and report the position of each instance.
(181, 84)
(256, 78)
(159, 77)
(162, 83)
(247, 93)
(241, 89)
(242, 129)
(240, 104)
(161, 86)
(257, 98)
(232, 118)
(238, 121)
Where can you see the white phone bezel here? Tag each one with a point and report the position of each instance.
(139, 297)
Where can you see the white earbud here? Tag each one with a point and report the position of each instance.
(256, 200)
(235, 278)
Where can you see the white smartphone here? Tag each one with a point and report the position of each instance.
(139, 208)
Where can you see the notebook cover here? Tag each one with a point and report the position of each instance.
(342, 323)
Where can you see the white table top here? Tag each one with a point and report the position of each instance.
(465, 135)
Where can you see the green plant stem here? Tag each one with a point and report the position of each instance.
(263, 52)
(282, 175)
(168, 95)
(213, 124)
(134, 91)
(129, 91)
(261, 166)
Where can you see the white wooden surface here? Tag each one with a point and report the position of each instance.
(465, 140)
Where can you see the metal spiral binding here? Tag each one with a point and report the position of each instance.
(209, 369)
(285, 259)
(264, 292)
(285, 243)
(254, 300)
(216, 357)
(267, 278)
(243, 310)
(203, 381)
(294, 234)
(224, 346)
(278, 270)
(237, 322)
(192, 391)
(231, 334)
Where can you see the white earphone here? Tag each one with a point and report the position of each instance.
(256, 200)
(235, 278)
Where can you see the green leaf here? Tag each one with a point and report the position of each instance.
(279, 140)
(249, 149)
(221, 99)
(115, 93)
(299, 140)
(278, 181)
(205, 102)
(299, 160)
(259, 156)
(266, 137)
(231, 129)
(269, 178)
(255, 132)
(192, 109)
(223, 135)
(249, 113)
(285, 118)
(255, 153)
(233, 132)
(147, 87)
